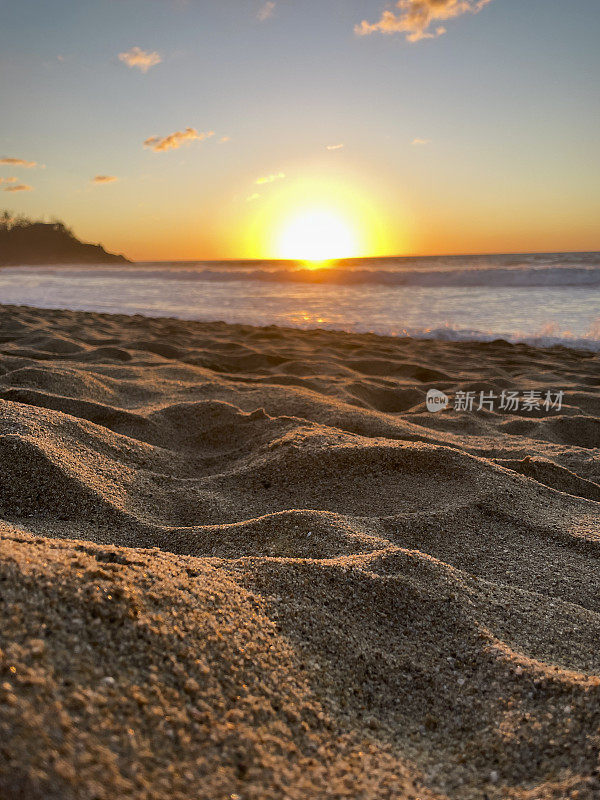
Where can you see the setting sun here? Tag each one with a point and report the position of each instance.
(317, 235)
(317, 218)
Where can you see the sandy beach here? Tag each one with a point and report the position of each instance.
(248, 563)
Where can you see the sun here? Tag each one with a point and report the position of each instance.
(317, 219)
(317, 235)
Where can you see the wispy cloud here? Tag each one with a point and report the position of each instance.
(266, 10)
(19, 187)
(418, 141)
(99, 179)
(334, 146)
(224, 139)
(18, 162)
(174, 140)
(251, 198)
(415, 17)
(277, 176)
(136, 58)
(9, 180)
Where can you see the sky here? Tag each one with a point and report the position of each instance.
(197, 129)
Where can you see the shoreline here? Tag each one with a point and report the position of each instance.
(442, 335)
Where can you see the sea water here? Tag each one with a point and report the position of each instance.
(545, 299)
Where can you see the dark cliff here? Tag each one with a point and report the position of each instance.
(25, 242)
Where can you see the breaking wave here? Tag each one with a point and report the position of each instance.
(493, 271)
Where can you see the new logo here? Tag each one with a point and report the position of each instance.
(436, 400)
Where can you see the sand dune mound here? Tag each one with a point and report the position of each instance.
(212, 425)
(33, 483)
(362, 478)
(59, 380)
(545, 471)
(292, 534)
(443, 655)
(248, 563)
(117, 701)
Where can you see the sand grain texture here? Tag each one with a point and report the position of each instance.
(247, 563)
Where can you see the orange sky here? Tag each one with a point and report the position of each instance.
(239, 130)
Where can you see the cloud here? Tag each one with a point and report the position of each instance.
(418, 141)
(253, 197)
(174, 140)
(266, 10)
(136, 58)
(416, 16)
(224, 139)
(18, 162)
(277, 176)
(334, 146)
(9, 180)
(99, 179)
(20, 187)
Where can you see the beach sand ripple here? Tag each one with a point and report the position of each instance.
(248, 563)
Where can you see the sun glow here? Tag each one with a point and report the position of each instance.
(316, 220)
(317, 235)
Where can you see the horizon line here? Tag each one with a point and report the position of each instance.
(346, 259)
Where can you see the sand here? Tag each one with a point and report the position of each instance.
(248, 563)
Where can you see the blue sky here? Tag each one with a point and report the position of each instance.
(505, 102)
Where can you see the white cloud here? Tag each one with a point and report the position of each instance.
(277, 176)
(334, 146)
(418, 141)
(251, 198)
(174, 140)
(136, 58)
(266, 10)
(415, 17)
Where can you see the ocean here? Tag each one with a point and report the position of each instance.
(543, 299)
